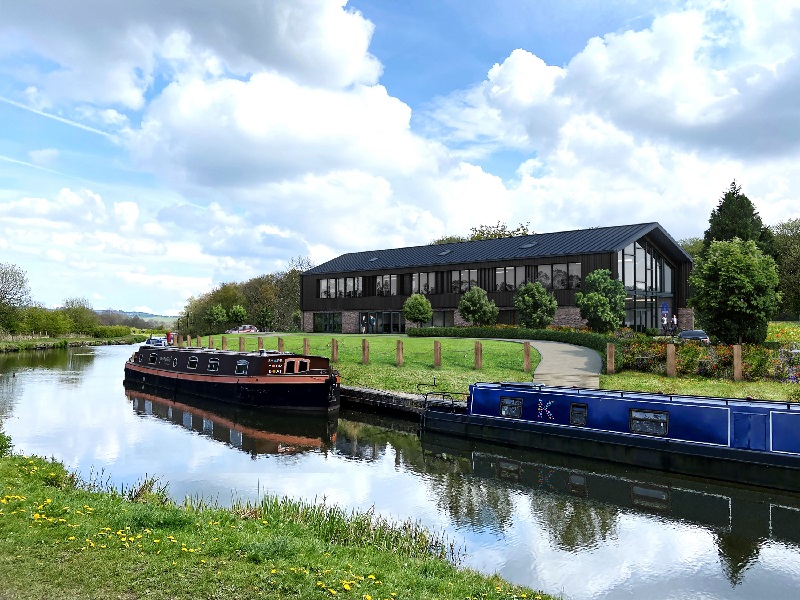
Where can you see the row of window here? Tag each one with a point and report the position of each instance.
(290, 365)
(647, 422)
(557, 276)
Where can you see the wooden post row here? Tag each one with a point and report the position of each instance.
(241, 343)
(478, 356)
(399, 353)
(437, 354)
(224, 343)
(334, 350)
(280, 344)
(260, 343)
(305, 346)
(365, 351)
(672, 369)
(210, 342)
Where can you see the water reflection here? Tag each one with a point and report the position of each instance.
(254, 431)
(578, 502)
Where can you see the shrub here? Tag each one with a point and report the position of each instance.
(5, 444)
(111, 331)
(417, 309)
(476, 307)
(535, 305)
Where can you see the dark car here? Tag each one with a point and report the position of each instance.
(697, 335)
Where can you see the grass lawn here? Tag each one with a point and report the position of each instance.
(502, 361)
(59, 540)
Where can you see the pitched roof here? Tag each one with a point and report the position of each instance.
(539, 245)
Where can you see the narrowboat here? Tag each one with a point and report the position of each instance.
(251, 430)
(738, 440)
(264, 379)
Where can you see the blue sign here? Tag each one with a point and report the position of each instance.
(664, 308)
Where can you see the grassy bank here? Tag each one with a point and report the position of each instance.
(502, 361)
(61, 538)
(54, 343)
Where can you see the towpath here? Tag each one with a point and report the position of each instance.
(565, 364)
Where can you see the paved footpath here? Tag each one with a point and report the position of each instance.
(565, 364)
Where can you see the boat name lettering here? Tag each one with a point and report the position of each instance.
(544, 409)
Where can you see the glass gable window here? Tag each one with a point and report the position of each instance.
(649, 282)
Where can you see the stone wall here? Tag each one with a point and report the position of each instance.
(350, 321)
(685, 318)
(307, 324)
(568, 316)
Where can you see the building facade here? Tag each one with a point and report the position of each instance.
(364, 292)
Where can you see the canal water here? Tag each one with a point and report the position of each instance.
(583, 529)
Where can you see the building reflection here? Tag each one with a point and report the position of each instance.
(251, 430)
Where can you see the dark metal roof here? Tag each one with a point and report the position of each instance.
(580, 241)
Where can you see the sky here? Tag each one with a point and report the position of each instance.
(150, 151)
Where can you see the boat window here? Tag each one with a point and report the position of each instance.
(510, 407)
(192, 362)
(649, 422)
(577, 414)
(213, 364)
(303, 366)
(140, 358)
(241, 367)
(288, 366)
(153, 358)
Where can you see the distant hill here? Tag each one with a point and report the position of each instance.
(161, 319)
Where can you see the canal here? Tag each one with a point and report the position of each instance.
(584, 529)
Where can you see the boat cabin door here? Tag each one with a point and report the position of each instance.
(749, 431)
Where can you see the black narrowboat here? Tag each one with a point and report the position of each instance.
(745, 441)
(264, 379)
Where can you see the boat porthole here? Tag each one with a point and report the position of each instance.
(174, 362)
(140, 358)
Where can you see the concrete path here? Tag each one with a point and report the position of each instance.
(565, 364)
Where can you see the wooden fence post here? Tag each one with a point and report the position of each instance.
(241, 343)
(672, 369)
(478, 355)
(260, 343)
(224, 343)
(365, 351)
(610, 358)
(399, 353)
(305, 346)
(180, 341)
(280, 344)
(210, 342)
(437, 354)
(334, 350)
(737, 362)
(526, 363)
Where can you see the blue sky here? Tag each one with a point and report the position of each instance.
(150, 151)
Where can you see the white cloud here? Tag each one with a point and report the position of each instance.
(45, 157)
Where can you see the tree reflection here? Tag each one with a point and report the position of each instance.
(736, 554)
(574, 524)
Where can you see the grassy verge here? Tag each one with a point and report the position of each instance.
(700, 386)
(54, 343)
(502, 361)
(60, 538)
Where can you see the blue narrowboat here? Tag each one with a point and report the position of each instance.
(745, 441)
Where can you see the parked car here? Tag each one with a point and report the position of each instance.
(697, 335)
(160, 342)
(243, 329)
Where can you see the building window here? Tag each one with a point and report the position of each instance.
(560, 276)
(328, 322)
(423, 283)
(341, 287)
(386, 285)
(544, 275)
(508, 279)
(463, 281)
(575, 275)
(241, 367)
(510, 407)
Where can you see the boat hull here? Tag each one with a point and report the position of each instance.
(709, 438)
(296, 393)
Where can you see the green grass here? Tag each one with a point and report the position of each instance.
(700, 386)
(53, 343)
(61, 539)
(502, 361)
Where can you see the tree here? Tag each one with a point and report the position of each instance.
(486, 232)
(787, 250)
(476, 308)
(736, 217)
(693, 246)
(216, 316)
(14, 294)
(535, 306)
(237, 314)
(81, 313)
(736, 293)
(417, 309)
(603, 304)
(501, 230)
